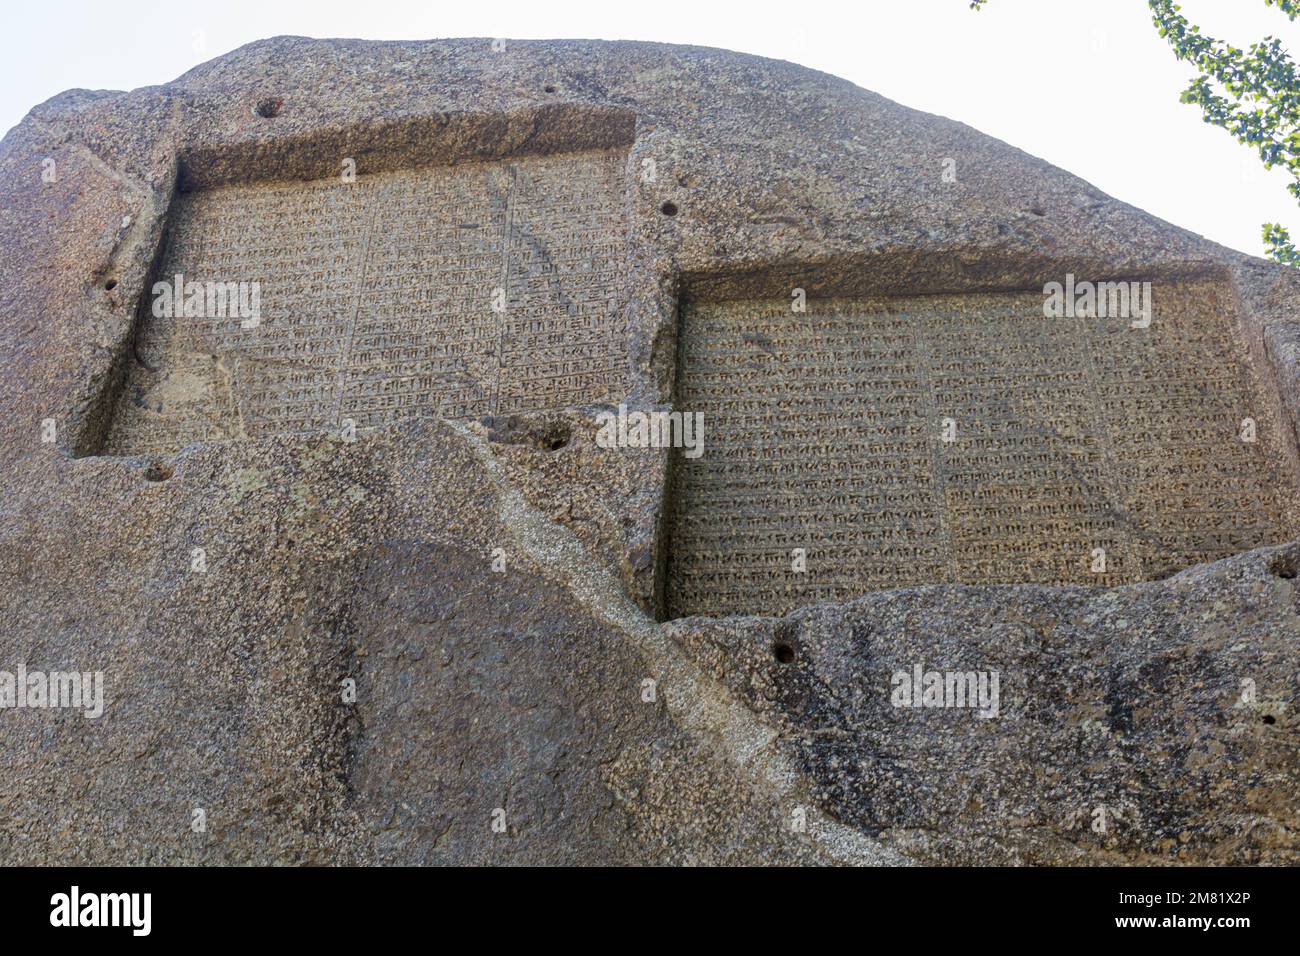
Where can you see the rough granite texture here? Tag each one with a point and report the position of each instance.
(765, 740)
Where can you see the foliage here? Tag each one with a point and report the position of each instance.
(1253, 93)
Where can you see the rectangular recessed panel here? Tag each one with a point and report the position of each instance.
(455, 291)
(1081, 450)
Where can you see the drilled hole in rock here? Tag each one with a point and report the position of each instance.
(1270, 719)
(668, 209)
(553, 437)
(783, 652)
(1285, 566)
(269, 108)
(519, 430)
(158, 471)
(110, 285)
(548, 89)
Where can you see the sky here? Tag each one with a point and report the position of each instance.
(1085, 84)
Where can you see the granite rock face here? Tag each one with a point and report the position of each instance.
(366, 585)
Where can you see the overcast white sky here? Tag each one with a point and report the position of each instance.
(1085, 84)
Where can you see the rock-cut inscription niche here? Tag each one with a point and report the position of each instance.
(458, 291)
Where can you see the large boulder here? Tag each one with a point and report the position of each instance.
(366, 584)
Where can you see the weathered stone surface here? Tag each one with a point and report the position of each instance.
(493, 580)
(475, 690)
(350, 277)
(1125, 704)
(1068, 435)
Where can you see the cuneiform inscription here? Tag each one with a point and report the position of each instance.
(457, 291)
(869, 444)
